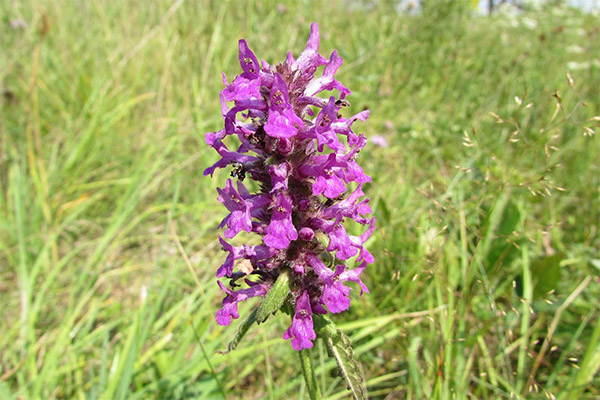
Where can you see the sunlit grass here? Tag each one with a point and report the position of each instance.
(485, 281)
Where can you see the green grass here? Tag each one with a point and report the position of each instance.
(487, 249)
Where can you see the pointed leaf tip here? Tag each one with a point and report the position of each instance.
(241, 331)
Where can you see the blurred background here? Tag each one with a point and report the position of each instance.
(484, 156)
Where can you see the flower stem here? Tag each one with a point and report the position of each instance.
(309, 375)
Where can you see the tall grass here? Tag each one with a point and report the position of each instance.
(485, 282)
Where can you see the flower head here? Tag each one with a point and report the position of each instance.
(302, 153)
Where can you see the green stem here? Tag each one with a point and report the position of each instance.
(309, 375)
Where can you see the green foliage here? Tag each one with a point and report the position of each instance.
(241, 331)
(546, 271)
(107, 227)
(339, 347)
(275, 298)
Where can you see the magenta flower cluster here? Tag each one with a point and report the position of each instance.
(301, 155)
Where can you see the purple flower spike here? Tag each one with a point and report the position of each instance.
(301, 332)
(300, 154)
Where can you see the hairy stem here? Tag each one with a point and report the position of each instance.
(309, 375)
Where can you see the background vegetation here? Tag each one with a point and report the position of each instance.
(487, 200)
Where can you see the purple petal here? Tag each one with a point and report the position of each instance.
(248, 60)
(239, 219)
(349, 207)
(379, 140)
(335, 297)
(340, 241)
(327, 81)
(280, 99)
(282, 124)
(245, 86)
(319, 267)
(357, 241)
(323, 132)
(327, 172)
(257, 106)
(301, 332)
(281, 230)
(230, 302)
(235, 253)
(354, 173)
(354, 276)
(330, 186)
(310, 59)
(279, 176)
(227, 156)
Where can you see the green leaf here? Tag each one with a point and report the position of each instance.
(241, 332)
(589, 366)
(275, 298)
(325, 327)
(339, 347)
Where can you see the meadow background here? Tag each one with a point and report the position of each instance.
(487, 248)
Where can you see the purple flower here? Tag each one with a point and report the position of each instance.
(335, 294)
(281, 230)
(301, 332)
(243, 87)
(340, 241)
(328, 173)
(234, 254)
(300, 153)
(227, 156)
(230, 302)
(248, 60)
(350, 207)
(18, 24)
(281, 122)
(322, 129)
(279, 176)
(239, 219)
(327, 82)
(253, 253)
